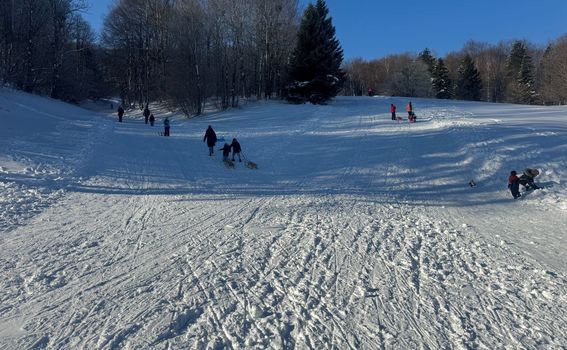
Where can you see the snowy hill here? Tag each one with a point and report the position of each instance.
(354, 232)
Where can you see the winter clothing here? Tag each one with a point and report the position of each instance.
(146, 114)
(211, 138)
(409, 109)
(236, 149)
(370, 92)
(527, 179)
(152, 119)
(120, 113)
(225, 152)
(514, 185)
(166, 127)
(393, 111)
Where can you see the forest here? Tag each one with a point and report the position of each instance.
(188, 53)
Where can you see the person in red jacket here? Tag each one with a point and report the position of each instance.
(514, 184)
(393, 111)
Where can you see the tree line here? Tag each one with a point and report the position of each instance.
(513, 72)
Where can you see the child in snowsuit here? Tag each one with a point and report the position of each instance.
(514, 184)
(166, 127)
(211, 138)
(120, 114)
(225, 152)
(393, 111)
(152, 119)
(527, 179)
(236, 149)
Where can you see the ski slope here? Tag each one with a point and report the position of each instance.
(356, 232)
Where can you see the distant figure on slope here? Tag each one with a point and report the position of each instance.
(152, 119)
(211, 138)
(409, 109)
(166, 127)
(514, 184)
(236, 149)
(393, 111)
(146, 114)
(370, 92)
(225, 152)
(120, 114)
(527, 179)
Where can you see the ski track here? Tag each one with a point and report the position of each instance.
(152, 252)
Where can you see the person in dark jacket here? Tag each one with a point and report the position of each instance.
(146, 114)
(120, 113)
(152, 119)
(527, 179)
(236, 149)
(225, 152)
(514, 184)
(393, 111)
(211, 138)
(166, 126)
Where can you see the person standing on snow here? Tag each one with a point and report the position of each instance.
(166, 127)
(152, 119)
(514, 184)
(120, 114)
(211, 138)
(409, 109)
(236, 149)
(146, 113)
(225, 152)
(393, 111)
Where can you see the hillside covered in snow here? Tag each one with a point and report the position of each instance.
(355, 231)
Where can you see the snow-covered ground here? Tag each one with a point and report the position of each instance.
(355, 232)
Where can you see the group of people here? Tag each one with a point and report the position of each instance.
(409, 108)
(211, 139)
(526, 180)
(148, 118)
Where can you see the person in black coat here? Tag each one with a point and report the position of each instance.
(152, 119)
(211, 138)
(120, 113)
(225, 152)
(236, 149)
(146, 114)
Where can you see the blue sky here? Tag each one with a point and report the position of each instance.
(375, 28)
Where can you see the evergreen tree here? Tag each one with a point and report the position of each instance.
(469, 84)
(520, 75)
(442, 85)
(428, 59)
(315, 73)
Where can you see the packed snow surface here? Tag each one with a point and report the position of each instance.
(355, 231)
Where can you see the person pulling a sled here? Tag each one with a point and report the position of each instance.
(211, 138)
(166, 127)
(514, 184)
(120, 113)
(409, 109)
(236, 149)
(527, 179)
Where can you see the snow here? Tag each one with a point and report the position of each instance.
(354, 232)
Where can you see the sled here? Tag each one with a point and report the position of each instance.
(250, 165)
(229, 164)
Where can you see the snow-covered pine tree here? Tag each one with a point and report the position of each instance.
(520, 75)
(428, 59)
(469, 84)
(442, 84)
(315, 73)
